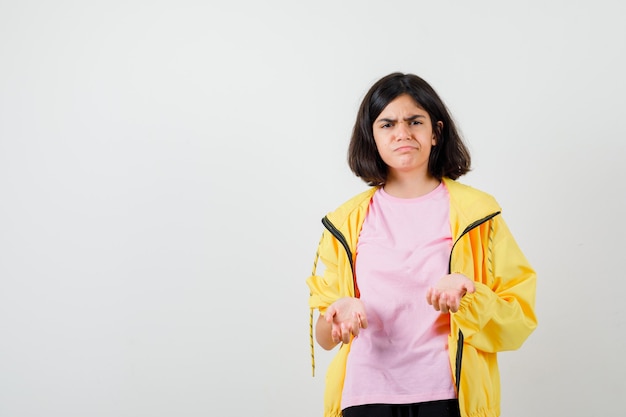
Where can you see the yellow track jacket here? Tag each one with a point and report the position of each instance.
(498, 316)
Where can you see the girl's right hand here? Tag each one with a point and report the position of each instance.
(347, 317)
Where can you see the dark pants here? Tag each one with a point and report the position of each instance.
(442, 408)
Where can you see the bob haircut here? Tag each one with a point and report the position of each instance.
(449, 158)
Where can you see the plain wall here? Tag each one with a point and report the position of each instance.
(164, 166)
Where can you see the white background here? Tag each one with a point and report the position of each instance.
(164, 166)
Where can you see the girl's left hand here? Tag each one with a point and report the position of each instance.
(446, 295)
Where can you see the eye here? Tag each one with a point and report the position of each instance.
(385, 125)
(415, 122)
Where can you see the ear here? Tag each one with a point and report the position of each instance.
(437, 128)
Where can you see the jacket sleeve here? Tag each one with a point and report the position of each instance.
(500, 314)
(325, 289)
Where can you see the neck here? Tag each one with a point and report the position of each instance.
(407, 187)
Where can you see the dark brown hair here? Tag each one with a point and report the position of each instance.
(449, 158)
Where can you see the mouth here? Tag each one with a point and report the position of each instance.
(405, 149)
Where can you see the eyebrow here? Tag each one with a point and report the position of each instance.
(407, 119)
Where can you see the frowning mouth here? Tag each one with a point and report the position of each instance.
(405, 149)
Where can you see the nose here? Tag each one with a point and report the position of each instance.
(402, 131)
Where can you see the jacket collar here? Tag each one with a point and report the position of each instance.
(467, 205)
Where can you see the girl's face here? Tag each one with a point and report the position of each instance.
(404, 136)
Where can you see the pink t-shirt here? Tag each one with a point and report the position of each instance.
(402, 357)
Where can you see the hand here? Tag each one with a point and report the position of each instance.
(347, 317)
(446, 295)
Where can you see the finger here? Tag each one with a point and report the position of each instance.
(331, 312)
(450, 301)
(336, 332)
(345, 333)
(429, 295)
(433, 298)
(362, 320)
(443, 302)
(356, 324)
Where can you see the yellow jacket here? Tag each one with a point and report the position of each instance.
(498, 316)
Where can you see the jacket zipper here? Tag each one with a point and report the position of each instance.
(461, 338)
(344, 242)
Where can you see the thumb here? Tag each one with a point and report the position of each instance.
(330, 313)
